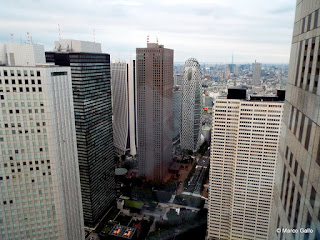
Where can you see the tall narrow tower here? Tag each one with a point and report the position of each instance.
(256, 73)
(124, 106)
(297, 188)
(155, 110)
(190, 131)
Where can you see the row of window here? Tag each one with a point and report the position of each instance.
(21, 89)
(18, 73)
(20, 81)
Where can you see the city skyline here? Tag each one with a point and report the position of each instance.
(208, 30)
(172, 119)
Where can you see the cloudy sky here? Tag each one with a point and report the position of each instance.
(209, 30)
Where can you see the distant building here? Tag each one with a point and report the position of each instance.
(123, 79)
(39, 173)
(243, 160)
(177, 79)
(236, 71)
(91, 86)
(232, 67)
(256, 73)
(176, 113)
(155, 110)
(227, 73)
(297, 188)
(207, 101)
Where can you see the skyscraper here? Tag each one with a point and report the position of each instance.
(39, 174)
(123, 79)
(256, 73)
(192, 106)
(244, 148)
(91, 86)
(297, 187)
(227, 73)
(155, 113)
(176, 113)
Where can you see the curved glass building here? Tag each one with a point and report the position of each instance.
(191, 109)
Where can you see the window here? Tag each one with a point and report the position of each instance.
(301, 178)
(312, 197)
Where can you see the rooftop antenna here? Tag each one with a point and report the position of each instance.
(11, 37)
(157, 40)
(59, 32)
(147, 39)
(94, 35)
(28, 37)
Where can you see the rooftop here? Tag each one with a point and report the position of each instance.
(133, 204)
(122, 232)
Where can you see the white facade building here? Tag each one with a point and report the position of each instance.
(192, 106)
(244, 151)
(14, 54)
(39, 175)
(123, 83)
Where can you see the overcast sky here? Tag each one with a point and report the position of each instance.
(209, 30)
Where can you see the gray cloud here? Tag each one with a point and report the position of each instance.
(209, 30)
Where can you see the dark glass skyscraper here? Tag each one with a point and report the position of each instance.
(90, 71)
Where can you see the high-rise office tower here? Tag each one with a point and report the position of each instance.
(227, 73)
(91, 87)
(243, 159)
(155, 110)
(123, 82)
(192, 106)
(256, 73)
(176, 113)
(39, 177)
(297, 187)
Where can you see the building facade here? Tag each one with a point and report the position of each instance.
(192, 106)
(93, 119)
(297, 186)
(243, 159)
(123, 84)
(176, 113)
(154, 110)
(39, 174)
